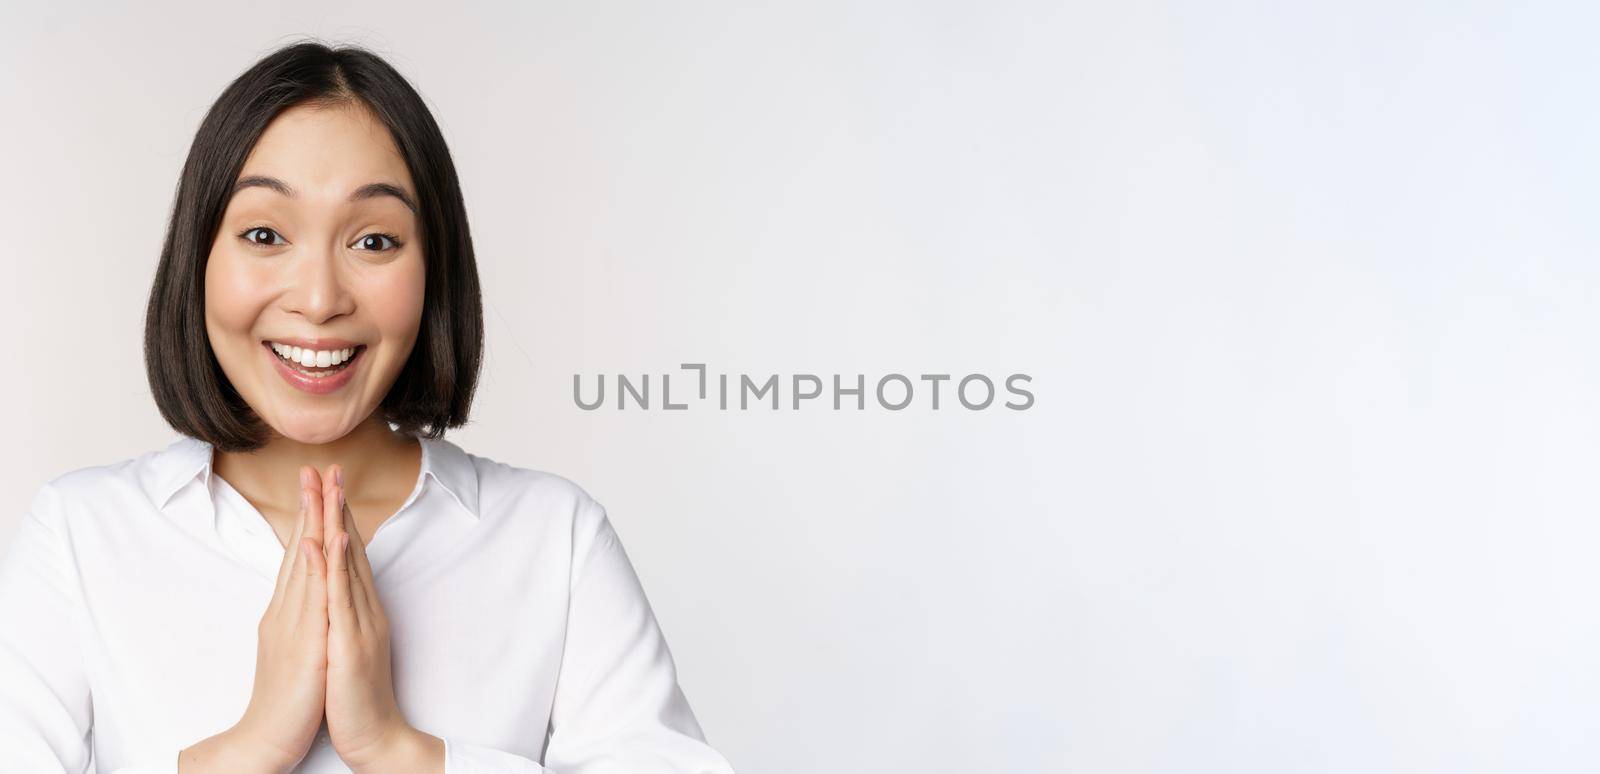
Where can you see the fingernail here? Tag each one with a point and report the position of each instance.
(338, 476)
(305, 500)
(341, 498)
(305, 477)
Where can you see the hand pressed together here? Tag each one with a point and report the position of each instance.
(322, 652)
(364, 721)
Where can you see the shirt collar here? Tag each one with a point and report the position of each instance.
(452, 467)
(188, 460)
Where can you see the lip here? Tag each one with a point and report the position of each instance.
(310, 384)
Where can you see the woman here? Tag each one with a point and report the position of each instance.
(312, 578)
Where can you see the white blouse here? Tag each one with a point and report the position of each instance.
(130, 597)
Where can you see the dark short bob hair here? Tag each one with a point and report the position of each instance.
(434, 389)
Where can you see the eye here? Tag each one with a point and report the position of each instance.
(254, 237)
(374, 242)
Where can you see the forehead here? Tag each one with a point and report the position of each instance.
(326, 151)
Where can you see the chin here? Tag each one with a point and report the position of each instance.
(308, 430)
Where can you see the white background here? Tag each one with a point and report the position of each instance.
(1307, 293)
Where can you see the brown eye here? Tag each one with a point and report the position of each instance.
(375, 242)
(261, 236)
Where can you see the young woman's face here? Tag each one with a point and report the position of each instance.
(327, 271)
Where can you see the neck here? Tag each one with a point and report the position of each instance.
(376, 460)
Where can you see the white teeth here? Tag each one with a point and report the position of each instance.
(310, 358)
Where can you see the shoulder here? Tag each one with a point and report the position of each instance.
(119, 495)
(121, 482)
(544, 500)
(504, 488)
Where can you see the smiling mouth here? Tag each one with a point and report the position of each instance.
(316, 364)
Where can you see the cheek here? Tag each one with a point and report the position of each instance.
(394, 299)
(234, 298)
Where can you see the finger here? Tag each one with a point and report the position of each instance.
(316, 583)
(361, 570)
(290, 549)
(357, 542)
(296, 589)
(293, 582)
(314, 518)
(341, 522)
(333, 503)
(358, 592)
(333, 517)
(332, 507)
(295, 594)
(341, 604)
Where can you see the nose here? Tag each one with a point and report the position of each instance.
(317, 287)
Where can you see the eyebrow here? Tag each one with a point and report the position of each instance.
(368, 191)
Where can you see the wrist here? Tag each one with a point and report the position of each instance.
(405, 750)
(258, 755)
(234, 750)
